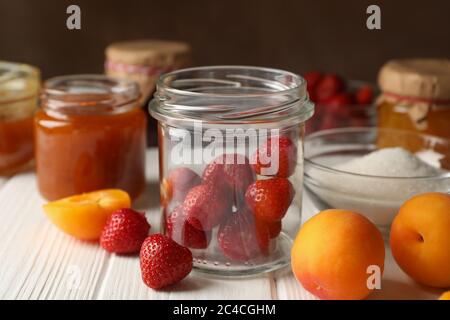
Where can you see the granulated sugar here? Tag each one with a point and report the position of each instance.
(389, 162)
(399, 175)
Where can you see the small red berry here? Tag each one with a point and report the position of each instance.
(178, 183)
(239, 238)
(232, 173)
(312, 80)
(273, 228)
(124, 231)
(183, 233)
(329, 86)
(163, 261)
(206, 206)
(281, 155)
(364, 95)
(269, 199)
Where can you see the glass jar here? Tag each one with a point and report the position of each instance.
(144, 61)
(415, 97)
(231, 164)
(90, 135)
(19, 85)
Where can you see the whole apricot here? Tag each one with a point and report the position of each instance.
(420, 239)
(334, 254)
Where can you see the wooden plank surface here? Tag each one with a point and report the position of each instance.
(37, 261)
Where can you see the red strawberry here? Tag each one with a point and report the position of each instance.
(270, 198)
(124, 231)
(182, 232)
(329, 86)
(272, 228)
(284, 157)
(163, 261)
(239, 238)
(364, 95)
(312, 79)
(206, 206)
(178, 184)
(339, 105)
(231, 172)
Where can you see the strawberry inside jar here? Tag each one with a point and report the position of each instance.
(231, 164)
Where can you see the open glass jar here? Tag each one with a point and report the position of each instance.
(231, 164)
(90, 135)
(19, 86)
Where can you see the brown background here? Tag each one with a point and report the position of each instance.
(296, 35)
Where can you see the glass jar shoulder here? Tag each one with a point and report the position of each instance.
(47, 120)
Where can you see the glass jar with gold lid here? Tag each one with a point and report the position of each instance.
(19, 86)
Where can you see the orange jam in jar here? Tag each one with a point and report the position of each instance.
(415, 96)
(90, 135)
(19, 85)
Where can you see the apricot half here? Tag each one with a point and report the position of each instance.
(84, 216)
(420, 239)
(336, 253)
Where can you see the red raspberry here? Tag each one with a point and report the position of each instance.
(269, 199)
(206, 206)
(239, 238)
(163, 261)
(182, 232)
(286, 160)
(124, 231)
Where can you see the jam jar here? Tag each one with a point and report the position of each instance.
(90, 135)
(19, 85)
(144, 61)
(415, 96)
(231, 164)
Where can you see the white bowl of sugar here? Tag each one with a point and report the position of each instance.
(373, 171)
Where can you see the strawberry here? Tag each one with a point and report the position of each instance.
(364, 95)
(178, 183)
(312, 79)
(232, 172)
(124, 231)
(329, 86)
(239, 238)
(272, 228)
(284, 154)
(269, 199)
(182, 232)
(163, 261)
(339, 106)
(206, 206)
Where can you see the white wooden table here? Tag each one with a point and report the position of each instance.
(37, 261)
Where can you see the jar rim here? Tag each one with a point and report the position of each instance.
(231, 95)
(88, 93)
(162, 81)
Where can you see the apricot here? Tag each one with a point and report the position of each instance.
(334, 253)
(420, 239)
(445, 296)
(84, 216)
